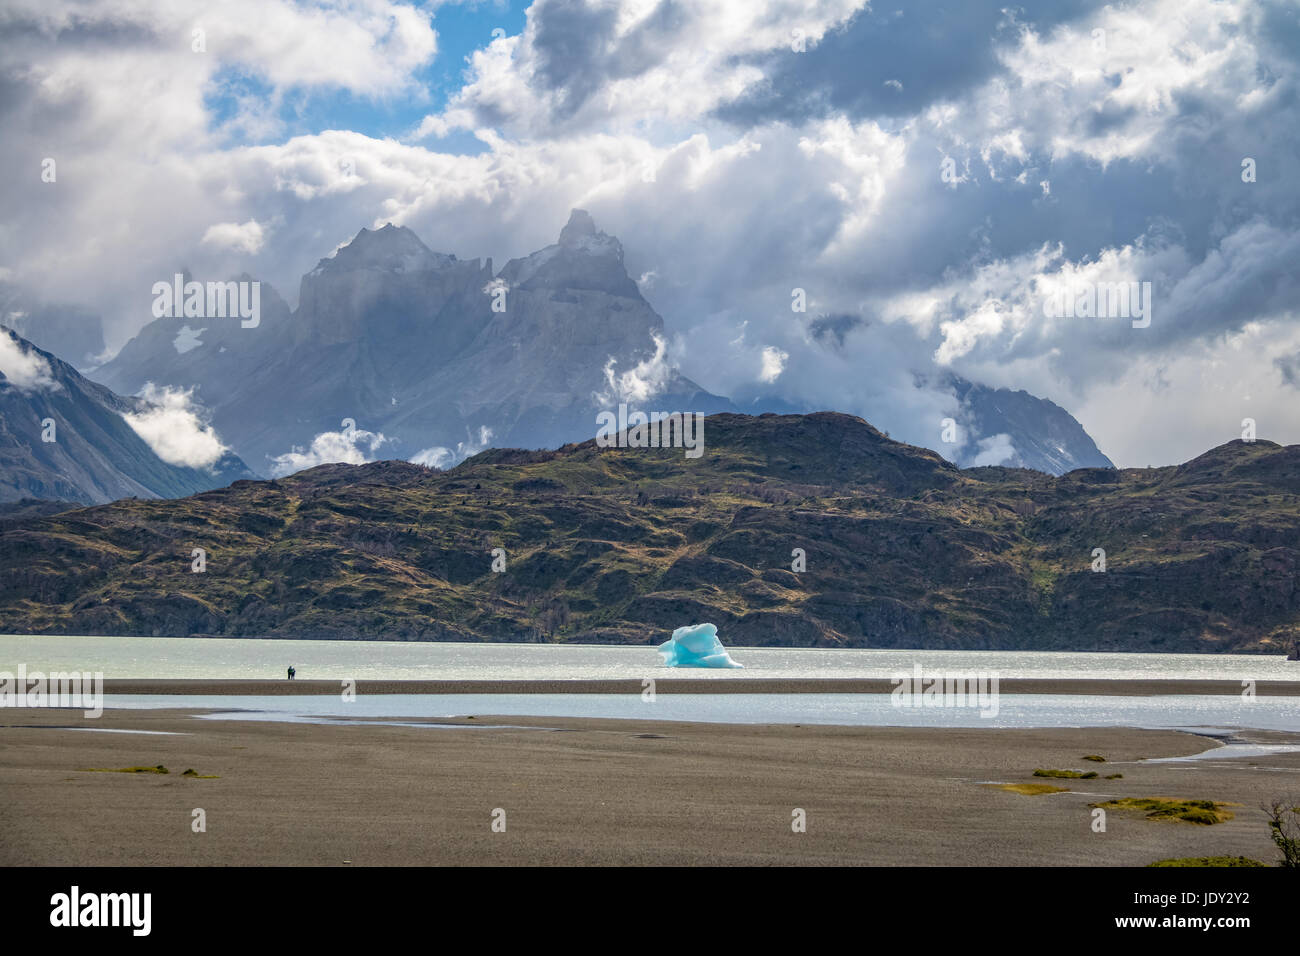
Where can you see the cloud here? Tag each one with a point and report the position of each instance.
(774, 360)
(173, 427)
(994, 450)
(580, 66)
(240, 237)
(1188, 400)
(640, 383)
(349, 446)
(922, 52)
(140, 128)
(440, 456)
(21, 366)
(733, 170)
(1289, 366)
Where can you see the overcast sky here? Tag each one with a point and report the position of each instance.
(740, 149)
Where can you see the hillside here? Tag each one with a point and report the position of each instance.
(621, 545)
(95, 454)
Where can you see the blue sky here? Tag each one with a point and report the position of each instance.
(461, 28)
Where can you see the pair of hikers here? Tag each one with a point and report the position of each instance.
(291, 672)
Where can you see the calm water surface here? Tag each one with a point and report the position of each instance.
(214, 658)
(875, 710)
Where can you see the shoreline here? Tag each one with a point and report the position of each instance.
(678, 685)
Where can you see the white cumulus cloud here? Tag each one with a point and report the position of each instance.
(239, 237)
(994, 450)
(774, 360)
(439, 456)
(21, 366)
(348, 446)
(174, 429)
(640, 383)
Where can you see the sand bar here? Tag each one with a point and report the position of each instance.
(582, 791)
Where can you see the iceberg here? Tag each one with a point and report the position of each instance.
(696, 645)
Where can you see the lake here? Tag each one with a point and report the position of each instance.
(233, 658)
(1180, 712)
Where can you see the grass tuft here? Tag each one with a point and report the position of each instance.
(1208, 861)
(1066, 774)
(1030, 789)
(1206, 812)
(158, 769)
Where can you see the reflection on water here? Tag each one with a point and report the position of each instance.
(1230, 752)
(216, 658)
(876, 710)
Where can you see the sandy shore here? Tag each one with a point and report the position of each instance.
(601, 792)
(677, 685)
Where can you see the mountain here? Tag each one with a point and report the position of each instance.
(902, 549)
(994, 426)
(999, 426)
(72, 331)
(406, 342)
(95, 455)
(1041, 434)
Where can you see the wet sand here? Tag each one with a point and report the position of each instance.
(580, 791)
(679, 685)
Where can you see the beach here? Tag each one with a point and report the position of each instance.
(601, 792)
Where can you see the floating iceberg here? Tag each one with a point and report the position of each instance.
(696, 646)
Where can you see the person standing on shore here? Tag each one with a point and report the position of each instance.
(291, 672)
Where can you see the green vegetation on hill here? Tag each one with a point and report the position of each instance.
(621, 545)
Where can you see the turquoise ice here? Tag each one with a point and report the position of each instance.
(696, 646)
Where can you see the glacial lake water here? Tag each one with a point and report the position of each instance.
(875, 710)
(218, 658)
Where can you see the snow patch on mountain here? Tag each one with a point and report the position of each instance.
(187, 339)
(394, 249)
(529, 266)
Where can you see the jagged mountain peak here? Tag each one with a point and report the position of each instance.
(584, 258)
(390, 248)
(581, 236)
(580, 224)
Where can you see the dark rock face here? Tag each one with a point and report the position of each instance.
(899, 549)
